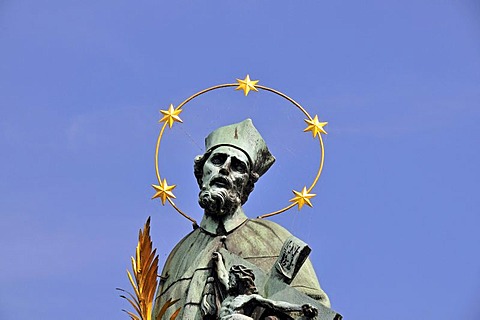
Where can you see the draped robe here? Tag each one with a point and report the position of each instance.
(189, 265)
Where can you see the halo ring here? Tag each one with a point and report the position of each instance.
(221, 86)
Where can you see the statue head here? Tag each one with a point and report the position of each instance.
(241, 280)
(236, 157)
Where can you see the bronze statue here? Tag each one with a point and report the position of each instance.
(236, 156)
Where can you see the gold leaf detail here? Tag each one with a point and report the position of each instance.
(246, 85)
(315, 126)
(302, 198)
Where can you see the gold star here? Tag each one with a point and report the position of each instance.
(171, 115)
(302, 198)
(315, 126)
(246, 85)
(164, 191)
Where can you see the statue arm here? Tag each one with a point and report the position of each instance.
(277, 305)
(220, 269)
(283, 306)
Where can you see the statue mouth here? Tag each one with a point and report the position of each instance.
(221, 182)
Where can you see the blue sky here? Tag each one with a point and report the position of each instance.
(394, 228)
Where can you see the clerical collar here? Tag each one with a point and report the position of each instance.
(214, 226)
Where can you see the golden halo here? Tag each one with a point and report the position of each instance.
(170, 116)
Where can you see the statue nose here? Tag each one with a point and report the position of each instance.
(225, 168)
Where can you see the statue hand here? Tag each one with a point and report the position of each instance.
(309, 311)
(217, 256)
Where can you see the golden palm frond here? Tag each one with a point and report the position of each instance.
(164, 308)
(144, 279)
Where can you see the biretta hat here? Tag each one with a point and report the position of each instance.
(245, 137)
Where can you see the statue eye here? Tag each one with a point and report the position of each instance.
(239, 166)
(217, 159)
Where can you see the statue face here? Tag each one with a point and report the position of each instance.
(225, 175)
(232, 280)
(227, 167)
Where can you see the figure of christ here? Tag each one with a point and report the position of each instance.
(242, 294)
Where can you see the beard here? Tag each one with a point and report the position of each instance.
(218, 202)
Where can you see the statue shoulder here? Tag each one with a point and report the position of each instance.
(186, 241)
(258, 238)
(268, 228)
(185, 249)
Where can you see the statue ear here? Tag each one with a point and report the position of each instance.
(198, 162)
